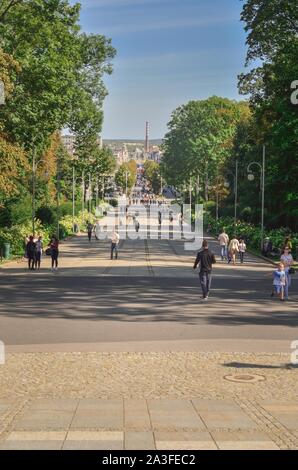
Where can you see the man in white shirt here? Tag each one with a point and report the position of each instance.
(223, 242)
(115, 238)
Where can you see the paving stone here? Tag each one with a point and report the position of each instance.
(199, 440)
(61, 404)
(136, 415)
(176, 414)
(31, 445)
(242, 440)
(40, 420)
(93, 445)
(226, 415)
(36, 436)
(139, 440)
(99, 414)
(95, 436)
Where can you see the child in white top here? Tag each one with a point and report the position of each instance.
(279, 281)
(242, 249)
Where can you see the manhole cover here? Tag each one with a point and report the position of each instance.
(245, 378)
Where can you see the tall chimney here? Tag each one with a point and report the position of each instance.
(147, 138)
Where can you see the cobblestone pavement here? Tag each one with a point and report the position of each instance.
(148, 400)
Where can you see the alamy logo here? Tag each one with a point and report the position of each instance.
(2, 94)
(2, 353)
(294, 95)
(294, 355)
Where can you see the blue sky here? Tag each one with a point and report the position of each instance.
(168, 52)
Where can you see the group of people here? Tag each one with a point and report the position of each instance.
(282, 277)
(34, 250)
(230, 248)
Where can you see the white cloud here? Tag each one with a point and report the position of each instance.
(165, 24)
(113, 3)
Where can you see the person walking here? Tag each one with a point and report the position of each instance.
(39, 247)
(267, 247)
(54, 247)
(205, 258)
(31, 253)
(287, 260)
(242, 249)
(97, 230)
(115, 238)
(223, 239)
(279, 281)
(233, 249)
(89, 230)
(137, 225)
(159, 217)
(288, 243)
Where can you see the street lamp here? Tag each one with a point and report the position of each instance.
(34, 170)
(251, 177)
(127, 174)
(74, 180)
(235, 176)
(190, 193)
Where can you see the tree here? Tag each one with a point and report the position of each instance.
(152, 174)
(200, 140)
(126, 173)
(272, 38)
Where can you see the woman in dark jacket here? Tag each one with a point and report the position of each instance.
(54, 245)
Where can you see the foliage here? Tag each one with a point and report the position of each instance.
(127, 172)
(200, 139)
(251, 232)
(152, 174)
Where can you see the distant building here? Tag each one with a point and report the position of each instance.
(70, 140)
(69, 143)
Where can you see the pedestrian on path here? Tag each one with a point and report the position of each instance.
(31, 253)
(39, 247)
(223, 239)
(287, 260)
(54, 247)
(233, 249)
(89, 230)
(97, 230)
(279, 281)
(205, 258)
(242, 249)
(137, 225)
(26, 240)
(267, 247)
(159, 217)
(115, 238)
(288, 243)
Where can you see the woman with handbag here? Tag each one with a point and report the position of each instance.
(287, 259)
(54, 247)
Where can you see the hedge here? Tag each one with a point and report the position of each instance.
(251, 232)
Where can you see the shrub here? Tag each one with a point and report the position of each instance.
(47, 215)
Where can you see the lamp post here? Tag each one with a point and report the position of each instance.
(34, 170)
(235, 176)
(251, 177)
(127, 174)
(74, 181)
(190, 193)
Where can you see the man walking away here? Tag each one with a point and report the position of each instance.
(223, 242)
(89, 230)
(39, 247)
(115, 238)
(31, 252)
(137, 225)
(206, 259)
